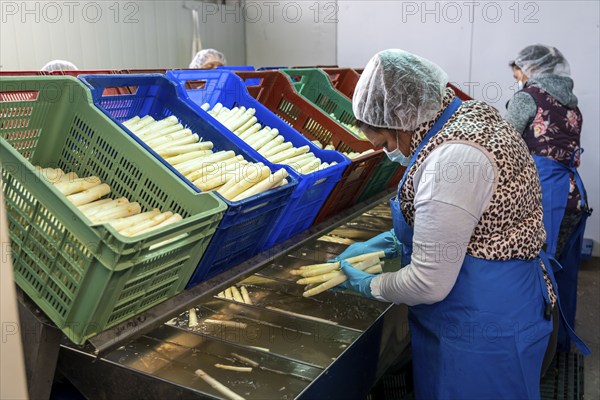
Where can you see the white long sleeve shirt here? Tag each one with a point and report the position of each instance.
(453, 187)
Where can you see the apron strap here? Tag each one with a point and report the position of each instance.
(439, 123)
(585, 350)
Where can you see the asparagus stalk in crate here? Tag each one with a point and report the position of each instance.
(87, 194)
(267, 141)
(229, 174)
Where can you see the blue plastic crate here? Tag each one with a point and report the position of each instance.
(249, 82)
(244, 228)
(313, 189)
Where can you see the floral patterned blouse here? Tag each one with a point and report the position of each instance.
(555, 133)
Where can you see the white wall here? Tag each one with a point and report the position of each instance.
(290, 33)
(474, 41)
(102, 35)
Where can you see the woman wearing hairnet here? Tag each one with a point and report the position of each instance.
(544, 111)
(59, 65)
(208, 59)
(468, 228)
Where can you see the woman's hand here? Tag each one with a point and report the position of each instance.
(358, 280)
(385, 242)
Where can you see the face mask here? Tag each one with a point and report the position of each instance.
(397, 156)
(520, 85)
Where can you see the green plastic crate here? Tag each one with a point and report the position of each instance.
(89, 278)
(315, 86)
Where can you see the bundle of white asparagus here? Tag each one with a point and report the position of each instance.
(321, 277)
(240, 295)
(229, 174)
(88, 195)
(268, 142)
(350, 154)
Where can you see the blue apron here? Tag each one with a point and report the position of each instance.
(555, 182)
(488, 337)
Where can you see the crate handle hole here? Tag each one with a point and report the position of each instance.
(10, 97)
(119, 90)
(195, 84)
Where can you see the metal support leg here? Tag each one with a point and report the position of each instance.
(41, 343)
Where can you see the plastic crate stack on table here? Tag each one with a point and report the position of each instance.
(78, 72)
(88, 275)
(277, 93)
(246, 224)
(228, 89)
(314, 85)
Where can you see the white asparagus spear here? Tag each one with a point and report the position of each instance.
(237, 296)
(246, 126)
(233, 368)
(248, 180)
(245, 360)
(68, 177)
(134, 230)
(302, 315)
(277, 149)
(274, 142)
(161, 132)
(122, 211)
(264, 185)
(193, 318)
(157, 126)
(180, 142)
(261, 142)
(229, 324)
(351, 260)
(187, 157)
(109, 205)
(160, 140)
(176, 150)
(52, 175)
(93, 204)
(192, 165)
(168, 221)
(171, 220)
(314, 272)
(366, 263)
(233, 125)
(147, 120)
(250, 131)
(131, 121)
(218, 386)
(291, 152)
(245, 295)
(123, 223)
(77, 185)
(89, 195)
(207, 170)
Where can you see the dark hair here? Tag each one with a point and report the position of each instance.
(363, 125)
(513, 64)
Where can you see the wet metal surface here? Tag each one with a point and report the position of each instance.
(296, 340)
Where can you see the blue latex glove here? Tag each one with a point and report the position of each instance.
(358, 280)
(385, 242)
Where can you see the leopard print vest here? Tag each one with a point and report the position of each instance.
(511, 226)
